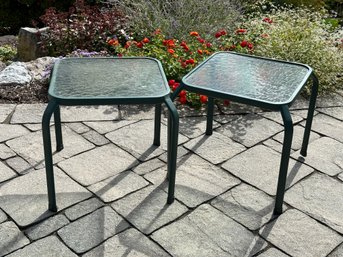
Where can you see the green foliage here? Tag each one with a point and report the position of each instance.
(177, 17)
(302, 36)
(7, 53)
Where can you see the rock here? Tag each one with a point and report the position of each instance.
(2, 66)
(29, 43)
(40, 68)
(15, 74)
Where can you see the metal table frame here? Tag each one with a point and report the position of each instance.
(54, 108)
(283, 108)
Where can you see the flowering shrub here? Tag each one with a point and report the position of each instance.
(82, 27)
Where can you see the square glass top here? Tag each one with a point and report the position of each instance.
(108, 78)
(259, 80)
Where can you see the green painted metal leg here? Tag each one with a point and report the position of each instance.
(48, 154)
(157, 133)
(310, 112)
(210, 108)
(286, 149)
(173, 133)
(58, 130)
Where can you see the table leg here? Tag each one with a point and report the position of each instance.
(173, 133)
(58, 130)
(50, 109)
(310, 112)
(157, 131)
(286, 149)
(210, 108)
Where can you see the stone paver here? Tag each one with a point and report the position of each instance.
(29, 113)
(247, 205)
(78, 127)
(118, 186)
(130, 138)
(95, 138)
(137, 112)
(273, 252)
(5, 111)
(194, 126)
(197, 181)
(181, 152)
(91, 230)
(83, 208)
(89, 113)
(128, 243)
(336, 112)
(19, 165)
(33, 126)
(276, 116)
(11, 238)
(215, 148)
(30, 146)
(3, 216)
(330, 100)
(147, 209)
(328, 126)
(6, 152)
(259, 166)
(148, 166)
(250, 129)
(104, 127)
(5, 172)
(337, 252)
(25, 198)
(320, 197)
(324, 154)
(11, 131)
(208, 232)
(275, 145)
(47, 227)
(47, 247)
(98, 164)
(300, 236)
(298, 134)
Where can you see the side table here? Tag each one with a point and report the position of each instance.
(108, 81)
(261, 82)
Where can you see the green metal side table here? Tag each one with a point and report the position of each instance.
(108, 81)
(261, 82)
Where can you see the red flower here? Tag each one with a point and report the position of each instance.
(120, 55)
(201, 40)
(183, 100)
(203, 99)
(200, 51)
(139, 44)
(241, 31)
(146, 40)
(220, 33)
(171, 51)
(232, 47)
(194, 33)
(208, 45)
(244, 43)
(190, 61)
(175, 86)
(268, 20)
(127, 44)
(250, 46)
(113, 42)
(183, 93)
(169, 43)
(171, 82)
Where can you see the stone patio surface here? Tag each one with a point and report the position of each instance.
(112, 190)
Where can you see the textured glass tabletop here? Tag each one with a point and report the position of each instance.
(108, 78)
(247, 77)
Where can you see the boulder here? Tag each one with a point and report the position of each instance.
(15, 74)
(40, 68)
(2, 66)
(29, 43)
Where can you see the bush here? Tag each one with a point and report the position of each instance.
(82, 27)
(300, 35)
(7, 53)
(177, 17)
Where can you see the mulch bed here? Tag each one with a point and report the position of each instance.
(33, 93)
